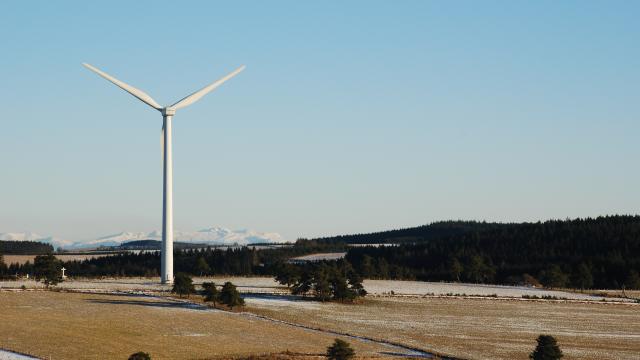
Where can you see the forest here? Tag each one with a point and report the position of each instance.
(24, 247)
(583, 253)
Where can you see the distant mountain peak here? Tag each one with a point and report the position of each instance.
(31, 236)
(213, 235)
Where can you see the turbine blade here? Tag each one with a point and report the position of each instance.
(141, 95)
(205, 90)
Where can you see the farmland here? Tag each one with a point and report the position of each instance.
(73, 325)
(462, 320)
(269, 285)
(474, 328)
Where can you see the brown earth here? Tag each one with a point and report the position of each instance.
(478, 328)
(59, 325)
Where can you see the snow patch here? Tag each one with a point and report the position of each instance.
(213, 235)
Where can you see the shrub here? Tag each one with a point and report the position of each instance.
(554, 277)
(230, 296)
(48, 269)
(211, 293)
(140, 356)
(547, 349)
(340, 350)
(183, 285)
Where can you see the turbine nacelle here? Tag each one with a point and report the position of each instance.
(168, 111)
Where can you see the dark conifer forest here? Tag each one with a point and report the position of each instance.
(583, 253)
(8, 247)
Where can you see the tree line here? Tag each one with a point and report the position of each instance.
(325, 280)
(10, 247)
(582, 253)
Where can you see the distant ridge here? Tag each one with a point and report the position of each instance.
(416, 234)
(213, 235)
(154, 245)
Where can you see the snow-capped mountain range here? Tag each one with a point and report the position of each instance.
(210, 236)
(31, 236)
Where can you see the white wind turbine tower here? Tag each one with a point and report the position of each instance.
(167, 199)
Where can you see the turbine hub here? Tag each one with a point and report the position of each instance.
(168, 111)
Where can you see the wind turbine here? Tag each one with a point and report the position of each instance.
(166, 271)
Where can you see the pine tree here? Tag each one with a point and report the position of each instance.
(3, 266)
(547, 349)
(230, 296)
(340, 288)
(383, 268)
(340, 350)
(554, 277)
(287, 274)
(183, 285)
(211, 293)
(140, 356)
(582, 278)
(367, 268)
(321, 284)
(304, 285)
(202, 267)
(478, 270)
(633, 280)
(455, 269)
(355, 283)
(48, 269)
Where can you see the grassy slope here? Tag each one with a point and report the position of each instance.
(72, 325)
(479, 328)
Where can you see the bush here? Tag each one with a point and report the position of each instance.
(140, 356)
(547, 349)
(230, 296)
(554, 277)
(183, 285)
(340, 350)
(211, 293)
(326, 280)
(633, 280)
(48, 269)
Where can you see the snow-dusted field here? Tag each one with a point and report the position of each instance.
(279, 301)
(474, 328)
(267, 285)
(379, 287)
(458, 319)
(8, 355)
(61, 325)
(244, 284)
(319, 257)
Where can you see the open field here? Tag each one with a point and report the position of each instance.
(319, 257)
(403, 312)
(270, 286)
(473, 328)
(99, 326)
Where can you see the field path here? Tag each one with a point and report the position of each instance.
(395, 349)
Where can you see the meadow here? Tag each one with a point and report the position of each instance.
(118, 316)
(60, 325)
(474, 328)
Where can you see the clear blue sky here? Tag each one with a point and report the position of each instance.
(350, 117)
